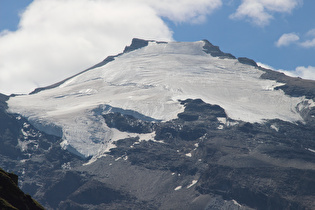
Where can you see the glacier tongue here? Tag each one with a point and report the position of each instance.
(150, 81)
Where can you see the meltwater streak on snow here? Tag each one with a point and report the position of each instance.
(150, 81)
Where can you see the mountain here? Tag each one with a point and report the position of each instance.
(165, 126)
(11, 197)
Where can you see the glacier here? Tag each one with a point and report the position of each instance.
(148, 83)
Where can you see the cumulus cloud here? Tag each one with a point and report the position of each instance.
(184, 10)
(290, 38)
(260, 12)
(310, 43)
(287, 39)
(58, 38)
(311, 32)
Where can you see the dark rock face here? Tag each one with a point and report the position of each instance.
(294, 87)
(201, 160)
(247, 61)
(34, 156)
(11, 197)
(95, 192)
(136, 44)
(215, 51)
(275, 194)
(47, 172)
(3, 99)
(128, 123)
(261, 166)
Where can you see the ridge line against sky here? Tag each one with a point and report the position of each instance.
(45, 41)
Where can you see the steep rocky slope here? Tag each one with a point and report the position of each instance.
(11, 197)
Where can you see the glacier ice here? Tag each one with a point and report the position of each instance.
(150, 81)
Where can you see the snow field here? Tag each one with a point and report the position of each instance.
(150, 81)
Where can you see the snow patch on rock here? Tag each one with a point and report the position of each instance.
(192, 184)
(178, 188)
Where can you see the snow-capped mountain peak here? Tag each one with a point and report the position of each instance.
(147, 81)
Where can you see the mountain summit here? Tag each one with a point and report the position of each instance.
(165, 125)
(148, 81)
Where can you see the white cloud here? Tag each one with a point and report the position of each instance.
(260, 12)
(308, 43)
(58, 38)
(287, 39)
(303, 72)
(311, 32)
(184, 10)
(290, 38)
(266, 66)
(254, 10)
(311, 42)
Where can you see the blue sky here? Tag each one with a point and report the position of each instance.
(44, 41)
